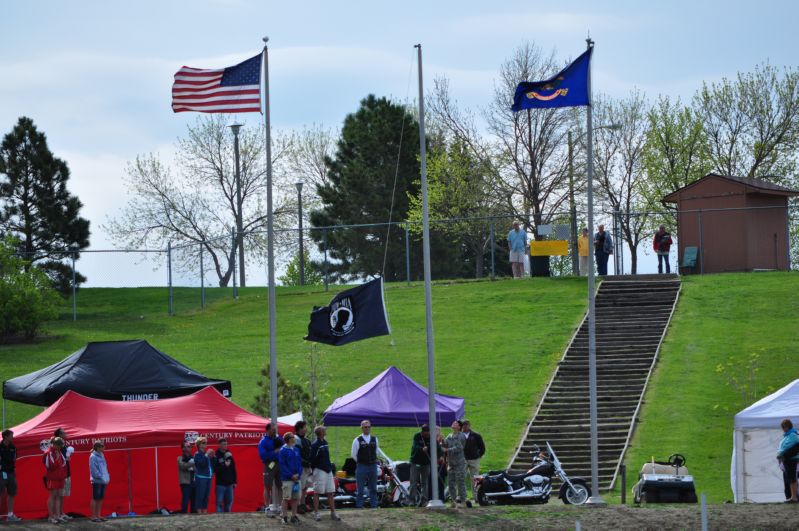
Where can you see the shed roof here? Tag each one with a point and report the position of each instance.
(759, 185)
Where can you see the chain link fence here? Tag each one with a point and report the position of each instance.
(193, 275)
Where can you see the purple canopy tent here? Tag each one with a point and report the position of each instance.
(391, 399)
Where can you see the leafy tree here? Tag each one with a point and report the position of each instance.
(26, 298)
(35, 205)
(618, 165)
(379, 145)
(752, 123)
(675, 155)
(291, 397)
(313, 276)
(459, 186)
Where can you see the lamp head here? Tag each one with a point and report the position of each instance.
(299, 184)
(235, 128)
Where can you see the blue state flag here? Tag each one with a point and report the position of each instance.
(568, 88)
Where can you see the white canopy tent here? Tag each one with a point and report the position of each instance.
(755, 475)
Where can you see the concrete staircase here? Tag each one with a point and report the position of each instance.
(632, 314)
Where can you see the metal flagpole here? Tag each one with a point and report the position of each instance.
(434, 502)
(270, 244)
(595, 498)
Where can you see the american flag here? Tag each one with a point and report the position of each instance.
(232, 89)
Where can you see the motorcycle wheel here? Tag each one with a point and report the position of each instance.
(482, 499)
(577, 495)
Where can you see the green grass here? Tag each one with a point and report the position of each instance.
(496, 345)
(746, 323)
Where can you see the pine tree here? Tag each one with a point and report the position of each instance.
(35, 205)
(359, 190)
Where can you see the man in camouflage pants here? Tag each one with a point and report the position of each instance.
(456, 465)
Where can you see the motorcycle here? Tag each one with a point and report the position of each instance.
(534, 486)
(391, 490)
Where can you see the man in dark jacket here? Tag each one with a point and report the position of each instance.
(304, 447)
(225, 472)
(8, 478)
(420, 465)
(603, 248)
(473, 451)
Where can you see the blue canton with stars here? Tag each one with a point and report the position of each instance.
(245, 73)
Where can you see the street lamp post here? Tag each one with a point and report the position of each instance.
(239, 215)
(299, 216)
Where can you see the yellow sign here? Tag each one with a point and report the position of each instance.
(549, 248)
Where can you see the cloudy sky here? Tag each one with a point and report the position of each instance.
(95, 76)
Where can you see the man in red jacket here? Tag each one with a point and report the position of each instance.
(662, 244)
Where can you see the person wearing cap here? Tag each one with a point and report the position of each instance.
(474, 449)
(8, 477)
(99, 477)
(420, 465)
(517, 244)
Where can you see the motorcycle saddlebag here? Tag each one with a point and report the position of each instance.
(494, 484)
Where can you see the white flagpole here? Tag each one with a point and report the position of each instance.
(270, 245)
(434, 502)
(595, 498)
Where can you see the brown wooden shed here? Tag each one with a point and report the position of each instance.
(737, 223)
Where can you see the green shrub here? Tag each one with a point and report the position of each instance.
(27, 299)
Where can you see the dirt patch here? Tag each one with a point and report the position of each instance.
(554, 516)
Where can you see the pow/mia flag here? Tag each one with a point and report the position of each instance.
(355, 314)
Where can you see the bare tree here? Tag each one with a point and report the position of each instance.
(531, 144)
(194, 205)
(618, 163)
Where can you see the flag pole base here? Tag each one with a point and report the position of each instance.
(596, 501)
(435, 504)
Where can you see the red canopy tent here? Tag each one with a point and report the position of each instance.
(142, 442)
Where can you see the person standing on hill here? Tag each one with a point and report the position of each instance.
(8, 477)
(662, 245)
(225, 472)
(603, 248)
(517, 244)
(786, 455)
(582, 252)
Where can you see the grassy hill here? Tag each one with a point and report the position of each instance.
(732, 341)
(496, 345)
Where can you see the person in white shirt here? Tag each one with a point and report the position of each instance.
(365, 450)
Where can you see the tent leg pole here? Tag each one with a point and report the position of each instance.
(4, 414)
(157, 497)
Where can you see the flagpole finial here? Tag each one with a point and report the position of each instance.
(589, 41)
(265, 39)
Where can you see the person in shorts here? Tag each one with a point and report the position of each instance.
(55, 467)
(517, 245)
(8, 478)
(323, 482)
(98, 475)
(290, 474)
(268, 449)
(67, 452)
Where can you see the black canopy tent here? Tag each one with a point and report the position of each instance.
(111, 370)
